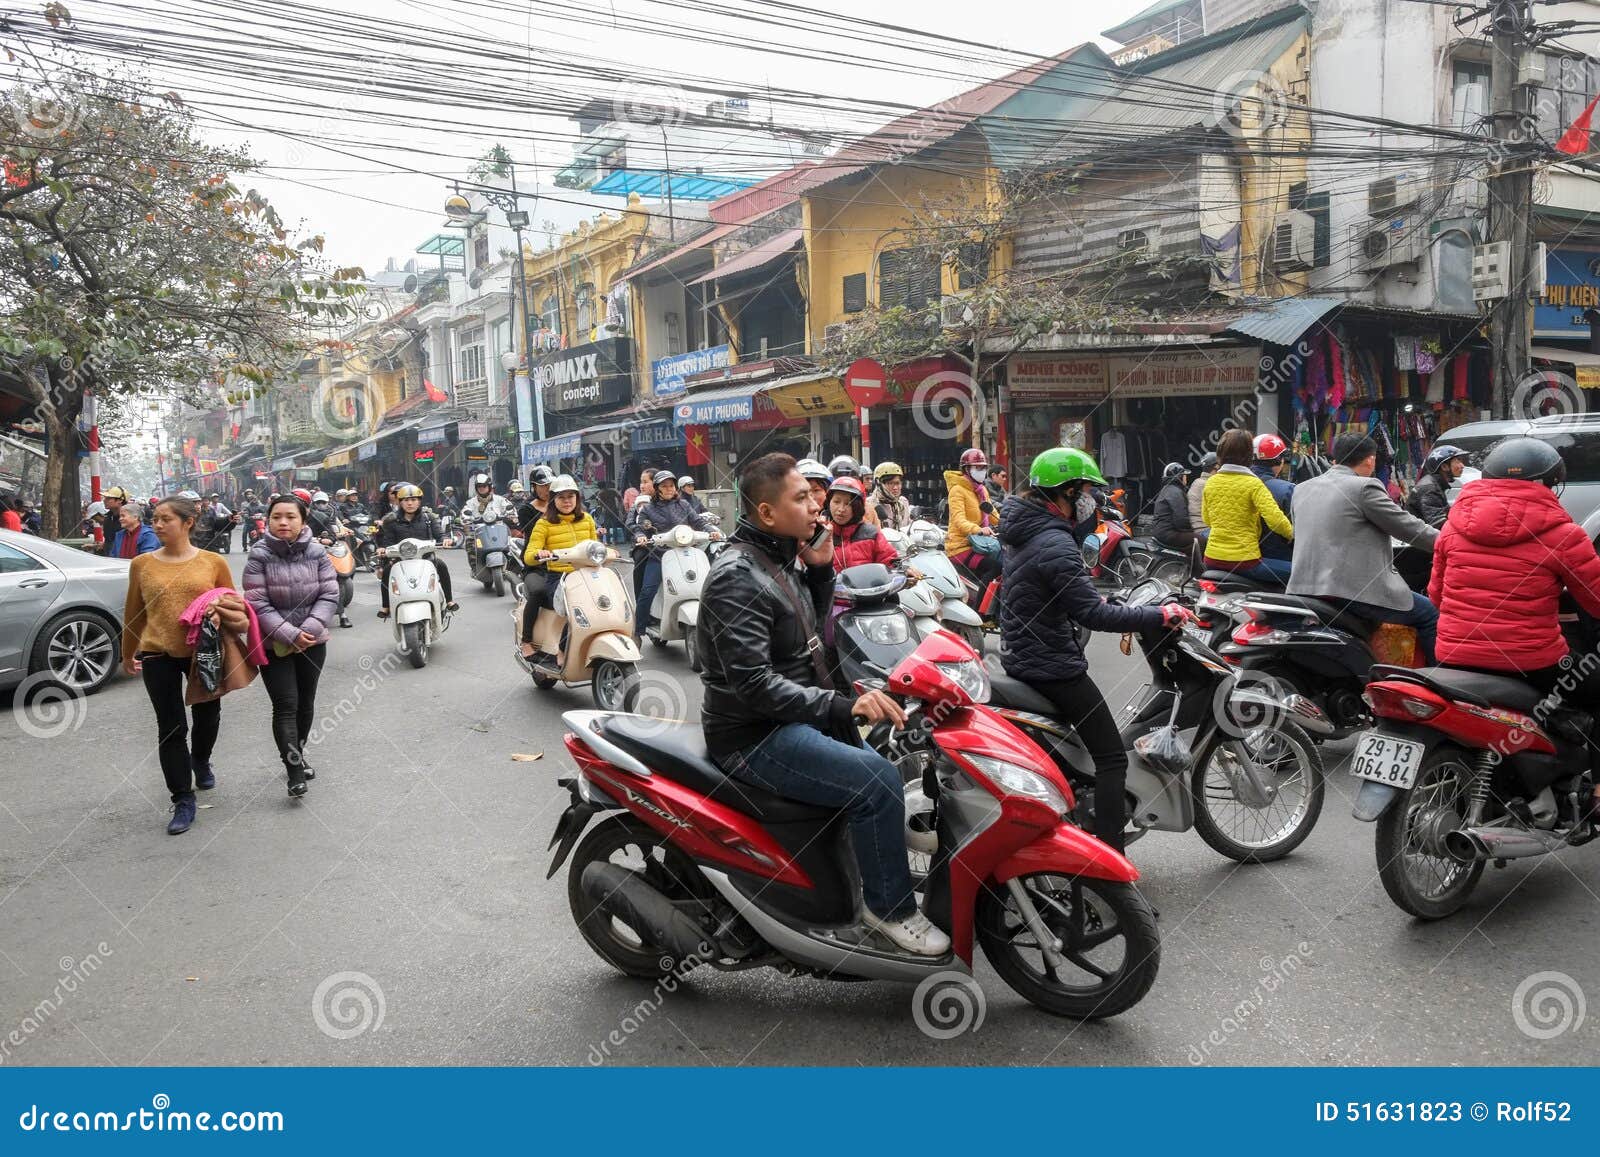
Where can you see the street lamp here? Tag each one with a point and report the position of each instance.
(460, 212)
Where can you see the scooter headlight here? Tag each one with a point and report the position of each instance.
(970, 677)
(408, 549)
(1019, 780)
(597, 553)
(885, 630)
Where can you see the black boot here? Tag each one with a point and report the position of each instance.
(182, 814)
(297, 780)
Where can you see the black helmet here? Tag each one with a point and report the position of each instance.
(1440, 455)
(665, 476)
(1209, 462)
(1526, 459)
(1173, 470)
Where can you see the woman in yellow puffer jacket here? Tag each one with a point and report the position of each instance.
(972, 512)
(564, 524)
(1234, 504)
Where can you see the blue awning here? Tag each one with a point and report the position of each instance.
(712, 407)
(652, 183)
(1282, 322)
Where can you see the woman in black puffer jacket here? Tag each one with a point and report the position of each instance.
(1047, 592)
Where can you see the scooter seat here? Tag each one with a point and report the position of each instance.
(1004, 691)
(1227, 580)
(678, 751)
(1475, 687)
(1331, 613)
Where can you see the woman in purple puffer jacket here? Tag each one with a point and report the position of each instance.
(290, 581)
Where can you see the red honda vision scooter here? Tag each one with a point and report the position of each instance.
(691, 868)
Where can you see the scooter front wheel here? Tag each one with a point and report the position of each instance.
(1290, 763)
(499, 582)
(691, 648)
(1110, 948)
(416, 637)
(615, 685)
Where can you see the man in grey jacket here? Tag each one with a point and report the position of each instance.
(1343, 523)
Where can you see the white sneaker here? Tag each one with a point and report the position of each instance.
(914, 933)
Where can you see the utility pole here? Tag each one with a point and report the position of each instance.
(1511, 114)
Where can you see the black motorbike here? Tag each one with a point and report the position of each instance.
(873, 633)
(1205, 749)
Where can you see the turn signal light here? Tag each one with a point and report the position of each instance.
(1258, 634)
(1397, 702)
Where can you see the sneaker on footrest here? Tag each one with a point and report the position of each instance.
(915, 933)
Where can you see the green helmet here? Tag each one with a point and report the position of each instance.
(1062, 465)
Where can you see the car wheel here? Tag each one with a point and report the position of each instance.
(77, 650)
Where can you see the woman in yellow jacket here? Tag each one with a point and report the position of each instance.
(972, 512)
(1234, 504)
(563, 524)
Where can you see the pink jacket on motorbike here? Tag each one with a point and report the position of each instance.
(1505, 554)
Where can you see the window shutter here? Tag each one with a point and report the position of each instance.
(855, 292)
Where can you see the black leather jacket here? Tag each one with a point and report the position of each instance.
(395, 529)
(758, 672)
(1430, 500)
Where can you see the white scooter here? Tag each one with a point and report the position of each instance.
(416, 602)
(921, 601)
(676, 608)
(924, 546)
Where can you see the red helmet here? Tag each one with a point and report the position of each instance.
(1270, 447)
(303, 494)
(973, 457)
(854, 487)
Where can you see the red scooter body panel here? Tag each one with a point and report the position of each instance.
(984, 730)
(1069, 851)
(703, 828)
(1498, 728)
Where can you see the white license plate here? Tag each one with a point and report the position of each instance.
(1387, 760)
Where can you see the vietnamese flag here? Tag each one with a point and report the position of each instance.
(697, 445)
(1575, 141)
(435, 394)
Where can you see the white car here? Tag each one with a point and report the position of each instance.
(60, 613)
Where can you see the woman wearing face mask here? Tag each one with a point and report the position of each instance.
(290, 581)
(1048, 593)
(564, 524)
(972, 514)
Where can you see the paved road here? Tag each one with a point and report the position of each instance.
(417, 863)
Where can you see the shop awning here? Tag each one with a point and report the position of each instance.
(355, 448)
(229, 464)
(1585, 365)
(755, 257)
(811, 395)
(1284, 321)
(726, 404)
(290, 461)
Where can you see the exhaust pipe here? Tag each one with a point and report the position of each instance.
(1293, 707)
(1470, 845)
(618, 892)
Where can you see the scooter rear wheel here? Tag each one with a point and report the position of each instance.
(1418, 877)
(1092, 919)
(632, 844)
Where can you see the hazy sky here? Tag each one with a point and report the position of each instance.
(369, 214)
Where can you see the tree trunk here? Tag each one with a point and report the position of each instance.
(53, 515)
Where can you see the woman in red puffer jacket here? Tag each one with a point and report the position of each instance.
(1506, 552)
(854, 540)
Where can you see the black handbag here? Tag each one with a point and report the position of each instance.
(208, 657)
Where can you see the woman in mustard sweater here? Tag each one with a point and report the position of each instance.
(564, 524)
(1234, 504)
(155, 645)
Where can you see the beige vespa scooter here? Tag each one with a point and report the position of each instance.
(593, 607)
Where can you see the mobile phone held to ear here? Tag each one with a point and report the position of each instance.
(817, 539)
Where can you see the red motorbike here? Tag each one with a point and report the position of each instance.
(690, 868)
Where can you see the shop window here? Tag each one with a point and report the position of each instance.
(1316, 204)
(855, 292)
(972, 265)
(480, 250)
(585, 304)
(906, 278)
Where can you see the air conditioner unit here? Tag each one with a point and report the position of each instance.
(953, 309)
(833, 335)
(1397, 241)
(1388, 195)
(1294, 241)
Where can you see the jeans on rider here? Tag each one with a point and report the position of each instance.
(388, 563)
(1270, 571)
(1422, 615)
(648, 586)
(801, 763)
(1079, 702)
(539, 587)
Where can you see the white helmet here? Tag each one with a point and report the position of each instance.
(319, 496)
(482, 480)
(563, 484)
(814, 471)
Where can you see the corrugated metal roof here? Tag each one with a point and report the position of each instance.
(756, 256)
(1282, 322)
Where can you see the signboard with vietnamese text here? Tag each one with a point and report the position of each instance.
(1571, 287)
(667, 374)
(1056, 377)
(1184, 373)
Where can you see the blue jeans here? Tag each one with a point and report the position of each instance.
(648, 586)
(1273, 570)
(1423, 615)
(799, 762)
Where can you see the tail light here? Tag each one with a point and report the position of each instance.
(1258, 634)
(1208, 586)
(1403, 701)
